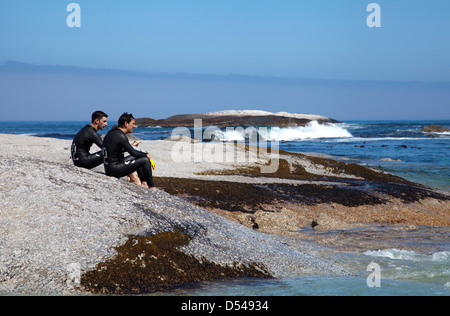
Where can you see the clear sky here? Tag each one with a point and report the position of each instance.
(359, 67)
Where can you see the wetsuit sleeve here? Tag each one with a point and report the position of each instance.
(97, 140)
(133, 152)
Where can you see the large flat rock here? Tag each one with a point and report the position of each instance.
(57, 220)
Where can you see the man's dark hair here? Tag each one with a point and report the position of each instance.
(98, 115)
(126, 117)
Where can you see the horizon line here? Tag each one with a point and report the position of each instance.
(18, 66)
(343, 120)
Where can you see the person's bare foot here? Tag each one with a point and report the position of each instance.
(133, 178)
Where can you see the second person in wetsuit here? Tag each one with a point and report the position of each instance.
(84, 140)
(116, 144)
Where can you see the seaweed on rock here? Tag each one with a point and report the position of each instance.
(146, 264)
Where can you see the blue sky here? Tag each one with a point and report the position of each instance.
(265, 40)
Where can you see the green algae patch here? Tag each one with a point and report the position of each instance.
(250, 198)
(146, 264)
(229, 196)
(336, 171)
(284, 171)
(367, 187)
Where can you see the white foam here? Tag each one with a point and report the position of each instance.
(234, 135)
(443, 256)
(437, 133)
(394, 254)
(312, 130)
(402, 254)
(29, 134)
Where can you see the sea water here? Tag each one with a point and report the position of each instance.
(399, 147)
(401, 272)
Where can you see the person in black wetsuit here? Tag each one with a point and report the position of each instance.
(84, 140)
(116, 144)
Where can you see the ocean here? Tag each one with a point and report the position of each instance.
(398, 147)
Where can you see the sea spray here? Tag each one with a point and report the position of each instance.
(401, 264)
(312, 130)
(402, 254)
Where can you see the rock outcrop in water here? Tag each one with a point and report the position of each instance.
(236, 118)
(435, 129)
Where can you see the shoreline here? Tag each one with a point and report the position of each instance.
(334, 195)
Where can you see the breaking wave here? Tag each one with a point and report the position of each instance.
(312, 130)
(400, 264)
(401, 254)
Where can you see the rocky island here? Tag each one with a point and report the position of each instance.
(435, 129)
(236, 118)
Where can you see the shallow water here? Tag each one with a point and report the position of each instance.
(316, 286)
(422, 267)
(402, 273)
